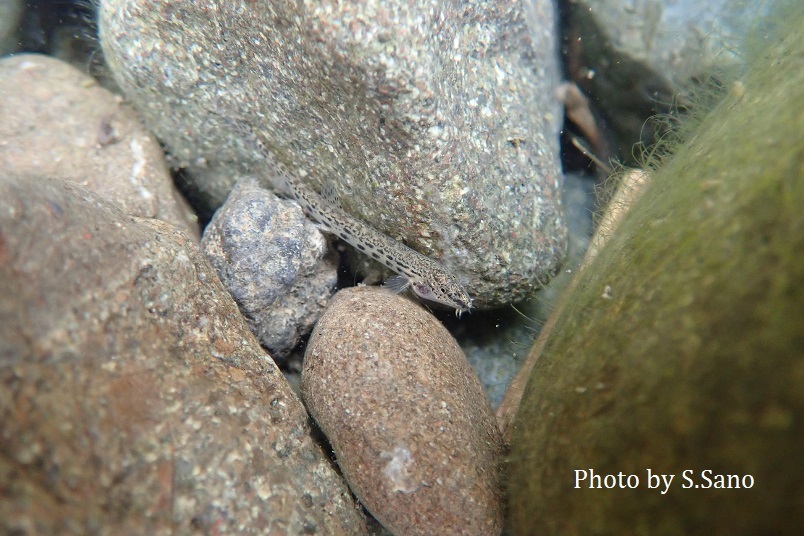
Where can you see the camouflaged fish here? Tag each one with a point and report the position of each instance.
(429, 279)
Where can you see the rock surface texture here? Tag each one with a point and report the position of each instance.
(275, 263)
(679, 351)
(406, 415)
(436, 122)
(134, 399)
(58, 122)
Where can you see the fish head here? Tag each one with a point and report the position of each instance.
(444, 289)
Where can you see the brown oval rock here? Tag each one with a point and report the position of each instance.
(406, 415)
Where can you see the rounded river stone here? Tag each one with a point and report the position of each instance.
(406, 415)
(134, 399)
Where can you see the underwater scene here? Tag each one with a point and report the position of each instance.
(383, 267)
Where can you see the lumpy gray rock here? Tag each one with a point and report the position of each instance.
(134, 399)
(435, 123)
(274, 262)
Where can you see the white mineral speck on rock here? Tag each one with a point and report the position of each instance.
(396, 470)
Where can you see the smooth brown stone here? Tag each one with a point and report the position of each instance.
(406, 415)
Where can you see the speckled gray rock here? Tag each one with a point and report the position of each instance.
(406, 415)
(134, 399)
(436, 123)
(10, 13)
(57, 122)
(274, 262)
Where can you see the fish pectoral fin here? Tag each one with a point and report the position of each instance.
(323, 228)
(280, 181)
(397, 283)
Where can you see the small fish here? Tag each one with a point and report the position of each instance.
(429, 279)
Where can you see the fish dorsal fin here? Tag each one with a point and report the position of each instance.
(330, 195)
(397, 283)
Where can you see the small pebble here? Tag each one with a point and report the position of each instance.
(275, 263)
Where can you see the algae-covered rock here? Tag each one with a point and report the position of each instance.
(634, 60)
(680, 350)
(10, 14)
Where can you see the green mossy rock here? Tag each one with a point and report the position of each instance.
(681, 348)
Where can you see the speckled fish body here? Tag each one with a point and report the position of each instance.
(428, 278)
